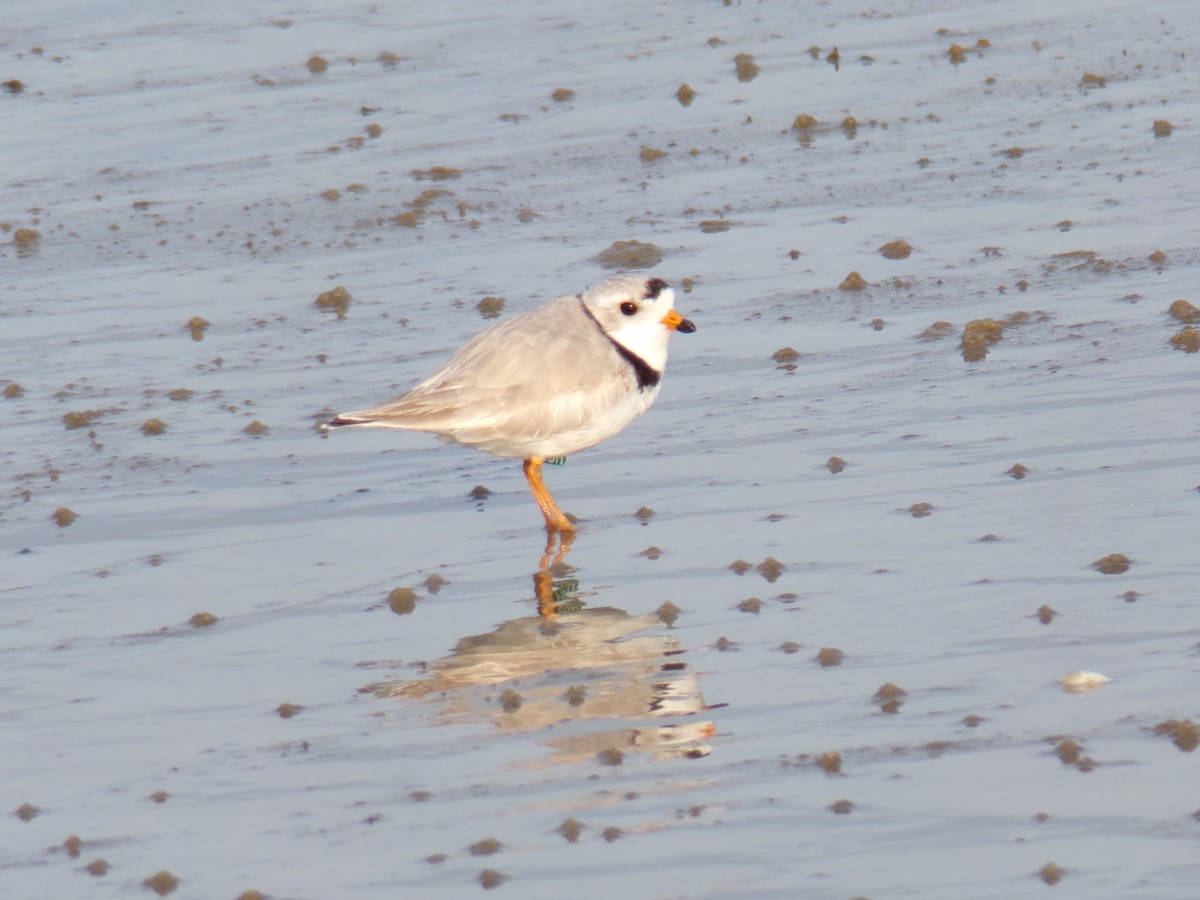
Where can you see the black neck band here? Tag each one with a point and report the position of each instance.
(647, 375)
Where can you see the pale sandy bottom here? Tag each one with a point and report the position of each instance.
(174, 161)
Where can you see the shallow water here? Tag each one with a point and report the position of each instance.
(174, 163)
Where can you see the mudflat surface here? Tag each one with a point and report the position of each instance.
(247, 657)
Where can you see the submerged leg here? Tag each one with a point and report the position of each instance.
(555, 520)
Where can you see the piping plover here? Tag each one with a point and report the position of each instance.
(549, 382)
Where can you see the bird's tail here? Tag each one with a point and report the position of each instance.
(339, 421)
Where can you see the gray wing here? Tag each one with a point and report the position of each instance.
(542, 372)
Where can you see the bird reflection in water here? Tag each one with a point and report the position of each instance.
(568, 665)
(554, 584)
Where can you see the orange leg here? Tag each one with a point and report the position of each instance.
(555, 520)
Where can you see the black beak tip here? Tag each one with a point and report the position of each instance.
(687, 326)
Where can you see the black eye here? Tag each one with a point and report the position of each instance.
(629, 308)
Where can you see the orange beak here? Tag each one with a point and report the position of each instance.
(676, 322)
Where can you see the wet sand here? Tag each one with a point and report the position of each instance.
(815, 624)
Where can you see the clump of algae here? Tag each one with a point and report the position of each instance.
(1184, 312)
(197, 325)
(978, 335)
(853, 282)
(629, 255)
(746, 67)
(336, 299)
(1186, 339)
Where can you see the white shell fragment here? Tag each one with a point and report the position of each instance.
(1079, 682)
